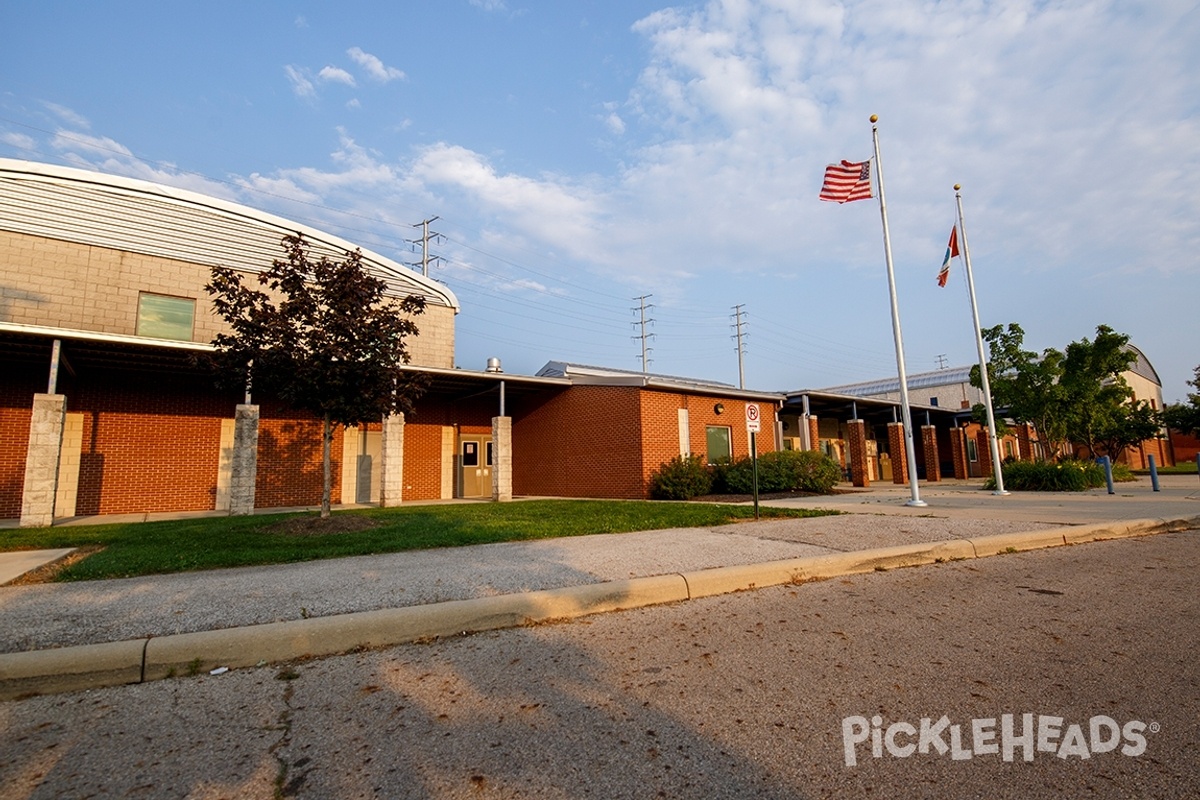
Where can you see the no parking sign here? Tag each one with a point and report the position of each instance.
(752, 421)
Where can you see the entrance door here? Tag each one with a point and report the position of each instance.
(475, 466)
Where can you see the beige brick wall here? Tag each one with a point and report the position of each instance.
(81, 287)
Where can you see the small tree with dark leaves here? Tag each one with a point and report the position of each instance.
(321, 336)
(1185, 417)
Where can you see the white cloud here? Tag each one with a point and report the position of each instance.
(302, 85)
(67, 115)
(90, 145)
(19, 141)
(615, 124)
(375, 68)
(336, 75)
(555, 211)
(490, 5)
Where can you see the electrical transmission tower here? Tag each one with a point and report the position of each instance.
(643, 321)
(426, 235)
(739, 319)
(941, 361)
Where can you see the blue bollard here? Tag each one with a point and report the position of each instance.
(1153, 473)
(1107, 462)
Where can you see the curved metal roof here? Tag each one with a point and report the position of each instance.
(138, 216)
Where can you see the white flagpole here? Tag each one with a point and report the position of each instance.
(905, 415)
(983, 370)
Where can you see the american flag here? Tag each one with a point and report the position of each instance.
(850, 180)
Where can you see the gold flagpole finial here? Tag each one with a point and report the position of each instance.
(874, 118)
(957, 186)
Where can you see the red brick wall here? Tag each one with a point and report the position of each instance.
(1185, 447)
(150, 443)
(290, 471)
(584, 442)
(606, 441)
(422, 461)
(17, 387)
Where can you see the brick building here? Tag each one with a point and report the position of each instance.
(103, 409)
(951, 389)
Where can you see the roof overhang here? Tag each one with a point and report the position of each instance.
(874, 410)
(86, 350)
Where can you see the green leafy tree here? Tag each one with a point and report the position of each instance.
(1026, 385)
(320, 335)
(1102, 413)
(1073, 396)
(1185, 417)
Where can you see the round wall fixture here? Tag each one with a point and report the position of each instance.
(719, 408)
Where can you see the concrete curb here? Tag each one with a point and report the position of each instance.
(322, 636)
(71, 669)
(111, 664)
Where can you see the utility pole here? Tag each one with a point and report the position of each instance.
(426, 234)
(738, 321)
(941, 360)
(641, 309)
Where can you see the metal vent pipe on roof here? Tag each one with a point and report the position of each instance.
(493, 365)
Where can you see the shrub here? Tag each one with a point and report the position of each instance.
(1122, 473)
(784, 471)
(1070, 475)
(681, 478)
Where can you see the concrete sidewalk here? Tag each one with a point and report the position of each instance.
(58, 637)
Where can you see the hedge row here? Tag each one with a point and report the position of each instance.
(685, 477)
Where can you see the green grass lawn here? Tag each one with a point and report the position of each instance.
(1182, 468)
(148, 548)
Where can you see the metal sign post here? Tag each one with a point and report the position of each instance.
(753, 425)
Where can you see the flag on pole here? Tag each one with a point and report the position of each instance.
(850, 180)
(951, 252)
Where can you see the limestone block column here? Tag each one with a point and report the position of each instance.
(391, 470)
(244, 465)
(898, 452)
(41, 460)
(502, 459)
(958, 454)
(856, 443)
(814, 434)
(933, 467)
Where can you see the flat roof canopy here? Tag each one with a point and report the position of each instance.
(91, 353)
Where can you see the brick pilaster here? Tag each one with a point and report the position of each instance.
(898, 453)
(814, 434)
(1025, 441)
(983, 449)
(958, 454)
(856, 444)
(933, 467)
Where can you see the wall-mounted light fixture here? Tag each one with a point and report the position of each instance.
(719, 408)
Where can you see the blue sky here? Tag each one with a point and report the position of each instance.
(582, 154)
